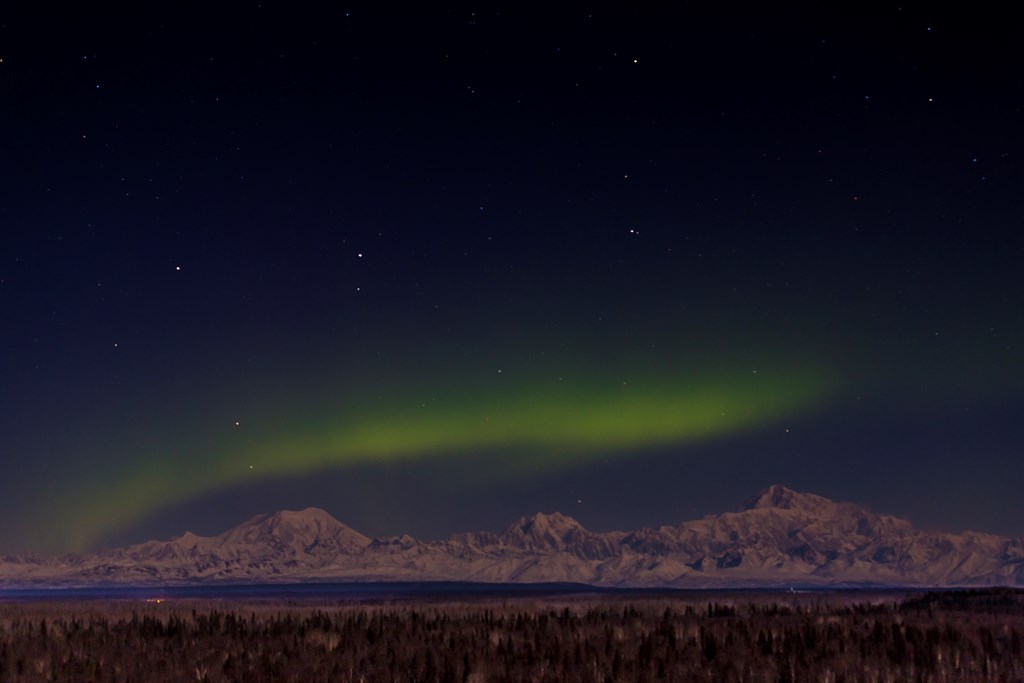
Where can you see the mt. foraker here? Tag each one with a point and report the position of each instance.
(781, 538)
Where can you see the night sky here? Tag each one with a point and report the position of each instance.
(435, 271)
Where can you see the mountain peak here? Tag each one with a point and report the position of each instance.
(305, 529)
(188, 537)
(554, 520)
(307, 515)
(543, 531)
(780, 497)
(307, 518)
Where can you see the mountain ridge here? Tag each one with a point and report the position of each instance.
(781, 537)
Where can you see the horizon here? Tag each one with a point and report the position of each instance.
(542, 513)
(781, 538)
(512, 523)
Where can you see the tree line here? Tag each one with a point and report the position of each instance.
(932, 638)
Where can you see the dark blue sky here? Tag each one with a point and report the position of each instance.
(433, 271)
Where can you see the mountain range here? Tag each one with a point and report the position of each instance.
(781, 538)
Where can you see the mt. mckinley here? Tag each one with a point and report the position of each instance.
(782, 538)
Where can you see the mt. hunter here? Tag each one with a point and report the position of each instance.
(782, 538)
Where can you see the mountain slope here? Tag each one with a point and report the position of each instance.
(780, 538)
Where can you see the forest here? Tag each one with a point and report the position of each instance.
(970, 636)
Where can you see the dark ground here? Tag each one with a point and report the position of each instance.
(757, 637)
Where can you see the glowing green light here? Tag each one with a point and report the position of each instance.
(566, 425)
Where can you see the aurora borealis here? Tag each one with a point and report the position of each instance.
(436, 271)
(557, 429)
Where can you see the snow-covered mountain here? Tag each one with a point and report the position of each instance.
(781, 538)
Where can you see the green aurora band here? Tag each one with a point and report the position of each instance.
(532, 431)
